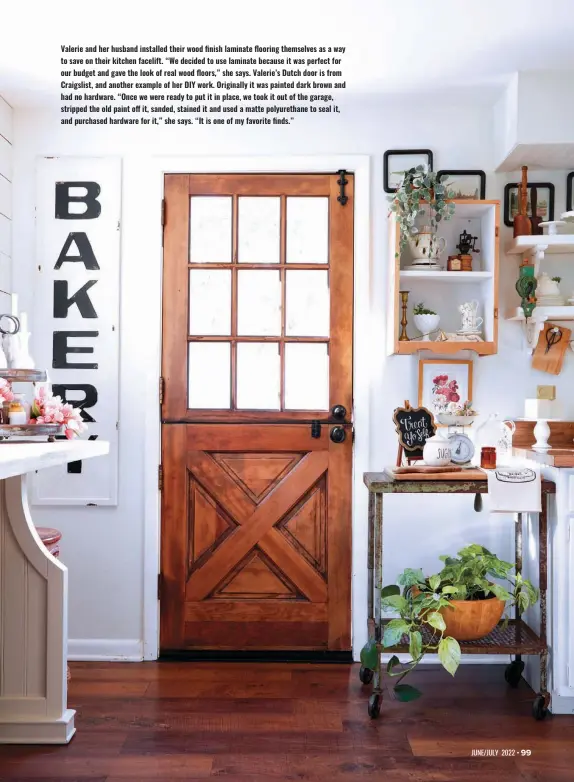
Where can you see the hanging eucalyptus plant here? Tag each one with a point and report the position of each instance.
(420, 190)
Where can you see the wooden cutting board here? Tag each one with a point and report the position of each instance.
(426, 468)
(552, 361)
(452, 475)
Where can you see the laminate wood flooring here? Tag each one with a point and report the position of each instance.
(245, 722)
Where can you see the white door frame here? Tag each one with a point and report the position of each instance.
(150, 231)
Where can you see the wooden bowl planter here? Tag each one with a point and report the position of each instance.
(469, 620)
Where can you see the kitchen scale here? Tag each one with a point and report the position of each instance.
(462, 447)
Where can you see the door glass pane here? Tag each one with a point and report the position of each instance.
(307, 229)
(210, 301)
(258, 376)
(258, 229)
(307, 303)
(209, 370)
(259, 303)
(210, 229)
(306, 376)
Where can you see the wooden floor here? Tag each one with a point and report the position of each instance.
(249, 723)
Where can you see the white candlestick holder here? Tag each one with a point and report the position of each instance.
(542, 434)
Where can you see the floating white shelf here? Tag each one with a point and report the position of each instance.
(455, 277)
(558, 244)
(542, 314)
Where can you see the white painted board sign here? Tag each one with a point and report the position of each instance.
(75, 322)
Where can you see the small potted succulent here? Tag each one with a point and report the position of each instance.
(461, 602)
(426, 320)
(420, 188)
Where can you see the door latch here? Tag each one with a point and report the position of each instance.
(316, 429)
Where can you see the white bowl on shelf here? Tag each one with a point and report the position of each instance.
(449, 419)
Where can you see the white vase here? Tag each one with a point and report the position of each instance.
(426, 324)
(437, 451)
(23, 359)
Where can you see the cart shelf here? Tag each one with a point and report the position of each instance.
(516, 638)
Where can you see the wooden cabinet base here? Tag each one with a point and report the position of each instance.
(33, 606)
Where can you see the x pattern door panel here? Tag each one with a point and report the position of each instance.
(257, 335)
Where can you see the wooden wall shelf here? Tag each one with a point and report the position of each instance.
(445, 348)
(443, 291)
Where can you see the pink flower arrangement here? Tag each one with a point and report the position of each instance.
(444, 392)
(48, 409)
(6, 394)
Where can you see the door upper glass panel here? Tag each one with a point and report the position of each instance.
(259, 303)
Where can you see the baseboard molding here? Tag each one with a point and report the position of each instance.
(105, 649)
(561, 704)
(131, 650)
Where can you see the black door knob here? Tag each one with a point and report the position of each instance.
(339, 412)
(338, 434)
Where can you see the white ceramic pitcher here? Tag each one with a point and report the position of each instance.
(470, 319)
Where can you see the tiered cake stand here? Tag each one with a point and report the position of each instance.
(32, 431)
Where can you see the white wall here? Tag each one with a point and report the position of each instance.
(5, 195)
(103, 548)
(543, 95)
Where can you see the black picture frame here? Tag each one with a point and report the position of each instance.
(569, 188)
(402, 152)
(468, 172)
(539, 186)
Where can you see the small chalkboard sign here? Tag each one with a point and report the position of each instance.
(414, 426)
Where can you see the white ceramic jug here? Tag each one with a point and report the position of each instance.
(470, 319)
(496, 433)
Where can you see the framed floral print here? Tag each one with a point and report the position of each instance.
(444, 384)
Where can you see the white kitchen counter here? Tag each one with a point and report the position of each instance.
(17, 458)
(33, 603)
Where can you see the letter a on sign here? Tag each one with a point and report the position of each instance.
(76, 317)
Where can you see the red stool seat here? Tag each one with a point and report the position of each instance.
(50, 537)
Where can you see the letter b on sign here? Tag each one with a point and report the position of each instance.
(64, 200)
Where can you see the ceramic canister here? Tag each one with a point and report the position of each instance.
(437, 451)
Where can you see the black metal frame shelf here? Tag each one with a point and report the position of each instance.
(517, 638)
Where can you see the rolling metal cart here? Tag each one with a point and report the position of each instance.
(517, 639)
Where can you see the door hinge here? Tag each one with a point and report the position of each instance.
(496, 313)
(496, 231)
(159, 585)
(342, 198)
(160, 478)
(161, 390)
(162, 219)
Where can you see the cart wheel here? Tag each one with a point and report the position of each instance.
(366, 675)
(539, 710)
(513, 672)
(375, 705)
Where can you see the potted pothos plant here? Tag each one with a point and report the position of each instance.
(420, 188)
(436, 612)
